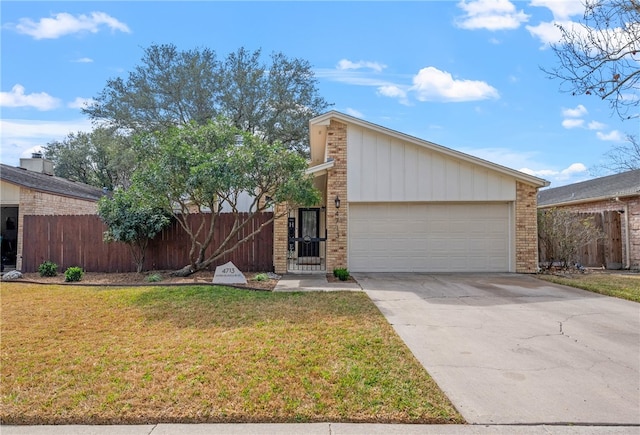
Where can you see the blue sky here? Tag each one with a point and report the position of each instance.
(462, 74)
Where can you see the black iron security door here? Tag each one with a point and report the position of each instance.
(309, 232)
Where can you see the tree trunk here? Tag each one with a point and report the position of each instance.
(185, 271)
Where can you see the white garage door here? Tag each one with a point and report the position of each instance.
(429, 237)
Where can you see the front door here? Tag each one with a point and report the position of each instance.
(309, 231)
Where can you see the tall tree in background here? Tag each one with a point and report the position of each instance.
(101, 158)
(171, 87)
(601, 55)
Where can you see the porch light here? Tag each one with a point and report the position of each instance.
(337, 200)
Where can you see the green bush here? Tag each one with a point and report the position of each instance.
(341, 273)
(73, 274)
(261, 277)
(48, 268)
(154, 277)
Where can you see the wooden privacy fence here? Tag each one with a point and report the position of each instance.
(77, 241)
(605, 252)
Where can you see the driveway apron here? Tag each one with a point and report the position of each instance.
(512, 349)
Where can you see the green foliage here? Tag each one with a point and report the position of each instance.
(133, 218)
(73, 274)
(169, 87)
(208, 168)
(341, 273)
(261, 277)
(101, 158)
(48, 268)
(154, 277)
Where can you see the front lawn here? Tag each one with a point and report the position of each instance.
(610, 284)
(79, 355)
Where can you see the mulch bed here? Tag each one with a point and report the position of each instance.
(204, 277)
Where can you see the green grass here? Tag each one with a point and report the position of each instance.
(73, 355)
(610, 284)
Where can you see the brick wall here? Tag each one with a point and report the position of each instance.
(33, 202)
(337, 219)
(280, 239)
(630, 221)
(526, 228)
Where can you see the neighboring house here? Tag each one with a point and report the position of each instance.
(32, 189)
(615, 196)
(395, 203)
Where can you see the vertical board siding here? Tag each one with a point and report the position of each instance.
(383, 168)
(77, 241)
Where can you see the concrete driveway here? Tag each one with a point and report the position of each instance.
(510, 348)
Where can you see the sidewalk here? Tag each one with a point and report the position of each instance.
(313, 282)
(316, 429)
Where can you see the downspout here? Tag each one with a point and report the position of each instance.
(627, 243)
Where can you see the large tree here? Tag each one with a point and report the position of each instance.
(600, 55)
(274, 100)
(101, 158)
(198, 172)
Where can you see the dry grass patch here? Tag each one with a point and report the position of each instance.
(205, 354)
(610, 284)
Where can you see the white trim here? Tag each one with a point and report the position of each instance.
(320, 169)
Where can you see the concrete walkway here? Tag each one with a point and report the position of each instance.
(313, 282)
(317, 429)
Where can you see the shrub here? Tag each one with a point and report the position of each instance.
(261, 277)
(154, 277)
(48, 268)
(341, 273)
(73, 274)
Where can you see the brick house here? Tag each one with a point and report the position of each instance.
(393, 202)
(617, 197)
(31, 189)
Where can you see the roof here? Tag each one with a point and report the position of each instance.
(611, 186)
(324, 119)
(49, 183)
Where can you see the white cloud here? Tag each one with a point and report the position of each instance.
(577, 112)
(20, 136)
(347, 64)
(392, 91)
(63, 23)
(431, 84)
(561, 9)
(84, 60)
(612, 136)
(547, 33)
(490, 15)
(570, 174)
(595, 125)
(354, 113)
(81, 103)
(17, 98)
(572, 123)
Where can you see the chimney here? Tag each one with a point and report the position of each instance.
(37, 163)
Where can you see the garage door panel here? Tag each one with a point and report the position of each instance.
(429, 237)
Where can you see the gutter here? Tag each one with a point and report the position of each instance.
(614, 197)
